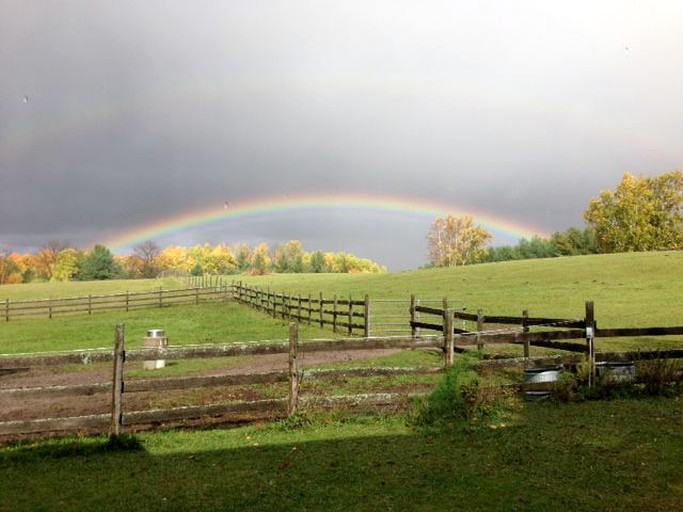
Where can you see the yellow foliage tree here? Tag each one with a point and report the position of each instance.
(642, 214)
(455, 241)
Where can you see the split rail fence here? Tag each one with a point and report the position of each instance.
(119, 387)
(12, 309)
(344, 315)
(556, 333)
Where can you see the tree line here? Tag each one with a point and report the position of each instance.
(643, 213)
(59, 261)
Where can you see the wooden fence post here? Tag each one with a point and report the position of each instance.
(161, 298)
(334, 315)
(480, 327)
(320, 309)
(310, 309)
(413, 315)
(366, 314)
(6, 310)
(525, 328)
(117, 390)
(448, 336)
(90, 304)
(590, 340)
(350, 328)
(294, 382)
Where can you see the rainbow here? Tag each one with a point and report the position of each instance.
(314, 203)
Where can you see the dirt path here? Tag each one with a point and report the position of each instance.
(12, 409)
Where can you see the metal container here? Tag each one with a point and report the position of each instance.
(156, 338)
(542, 377)
(616, 372)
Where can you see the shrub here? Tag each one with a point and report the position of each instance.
(655, 377)
(660, 376)
(461, 399)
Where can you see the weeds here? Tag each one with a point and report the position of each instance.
(655, 377)
(660, 376)
(462, 400)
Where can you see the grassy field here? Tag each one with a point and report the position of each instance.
(221, 322)
(628, 289)
(619, 455)
(84, 288)
(605, 455)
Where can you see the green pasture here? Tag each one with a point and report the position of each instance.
(618, 455)
(214, 322)
(622, 455)
(629, 290)
(46, 290)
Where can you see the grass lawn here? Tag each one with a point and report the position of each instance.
(216, 322)
(618, 455)
(47, 290)
(629, 290)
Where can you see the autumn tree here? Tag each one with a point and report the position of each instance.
(10, 271)
(145, 256)
(643, 214)
(316, 263)
(47, 257)
(260, 259)
(455, 241)
(289, 257)
(67, 265)
(220, 260)
(174, 257)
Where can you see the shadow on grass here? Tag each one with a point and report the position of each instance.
(583, 456)
(69, 447)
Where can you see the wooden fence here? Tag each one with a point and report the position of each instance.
(343, 315)
(119, 387)
(48, 308)
(556, 333)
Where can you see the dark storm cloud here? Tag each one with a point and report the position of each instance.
(115, 115)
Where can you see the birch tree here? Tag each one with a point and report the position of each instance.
(455, 241)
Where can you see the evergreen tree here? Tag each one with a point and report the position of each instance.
(99, 264)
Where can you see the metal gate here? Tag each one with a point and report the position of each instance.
(391, 317)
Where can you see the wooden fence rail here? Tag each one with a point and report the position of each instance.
(557, 333)
(12, 309)
(347, 316)
(119, 386)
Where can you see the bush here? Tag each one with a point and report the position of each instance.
(655, 377)
(660, 376)
(461, 399)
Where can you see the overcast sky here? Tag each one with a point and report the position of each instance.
(118, 114)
